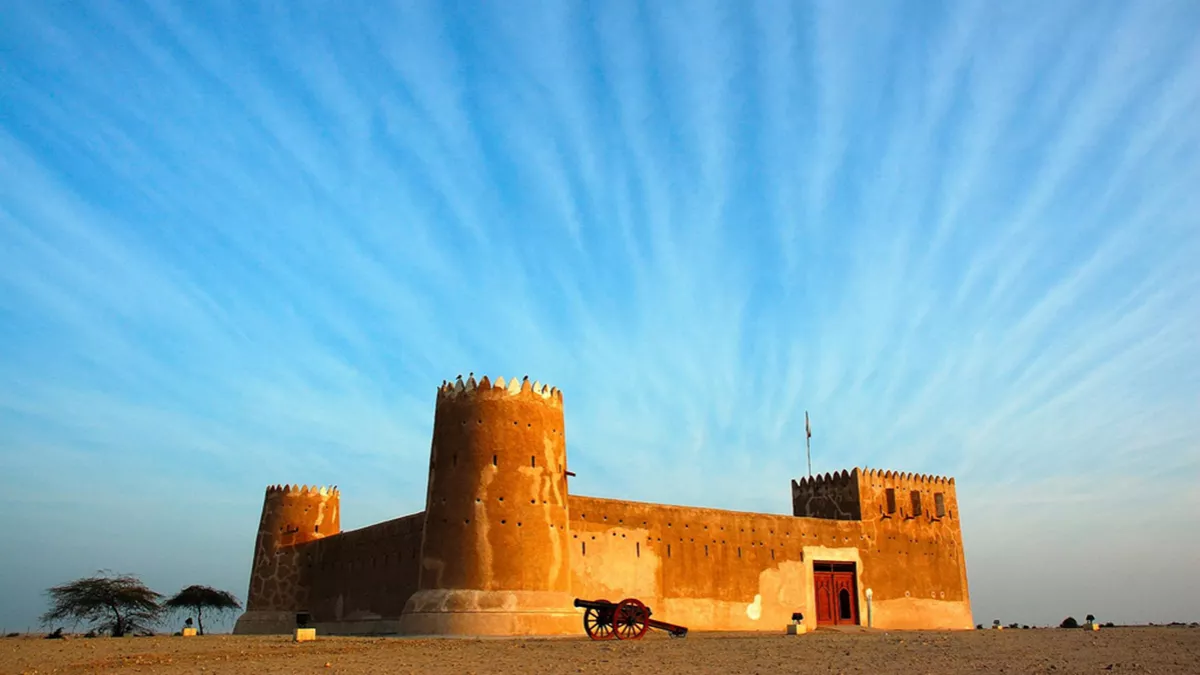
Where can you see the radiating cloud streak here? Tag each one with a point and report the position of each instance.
(241, 245)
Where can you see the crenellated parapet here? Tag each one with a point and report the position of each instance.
(834, 496)
(298, 490)
(930, 479)
(461, 389)
(837, 478)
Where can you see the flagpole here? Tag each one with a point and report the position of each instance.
(807, 443)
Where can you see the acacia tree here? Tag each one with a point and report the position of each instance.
(119, 604)
(201, 597)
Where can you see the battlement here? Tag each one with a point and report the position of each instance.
(834, 496)
(837, 478)
(314, 490)
(460, 389)
(847, 476)
(914, 478)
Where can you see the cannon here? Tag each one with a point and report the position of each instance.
(628, 619)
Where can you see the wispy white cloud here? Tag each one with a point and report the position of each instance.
(242, 245)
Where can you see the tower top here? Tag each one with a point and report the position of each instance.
(302, 490)
(469, 388)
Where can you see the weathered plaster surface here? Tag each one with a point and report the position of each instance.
(367, 573)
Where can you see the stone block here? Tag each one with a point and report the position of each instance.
(796, 629)
(306, 634)
(189, 632)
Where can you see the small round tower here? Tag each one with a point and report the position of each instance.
(292, 515)
(495, 559)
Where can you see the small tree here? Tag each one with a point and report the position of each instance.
(201, 597)
(118, 604)
(1091, 619)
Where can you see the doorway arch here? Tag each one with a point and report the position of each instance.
(844, 611)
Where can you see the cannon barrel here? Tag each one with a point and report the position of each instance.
(594, 604)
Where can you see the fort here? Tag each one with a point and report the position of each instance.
(502, 548)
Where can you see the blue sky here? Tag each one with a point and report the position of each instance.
(243, 244)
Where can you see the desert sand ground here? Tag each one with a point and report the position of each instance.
(1118, 650)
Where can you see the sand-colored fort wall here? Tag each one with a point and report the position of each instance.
(361, 579)
(707, 569)
(712, 569)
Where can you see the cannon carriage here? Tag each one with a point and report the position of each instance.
(628, 619)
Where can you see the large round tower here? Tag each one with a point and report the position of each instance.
(291, 517)
(494, 559)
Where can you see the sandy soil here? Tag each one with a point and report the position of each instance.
(1141, 650)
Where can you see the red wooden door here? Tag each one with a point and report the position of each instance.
(847, 599)
(823, 584)
(835, 593)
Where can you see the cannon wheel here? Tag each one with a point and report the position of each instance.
(630, 619)
(599, 622)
